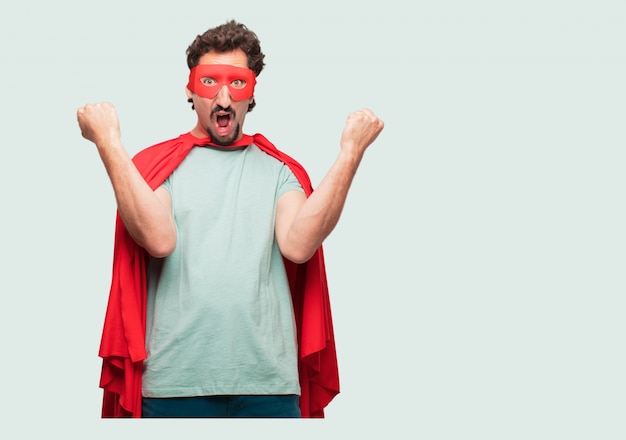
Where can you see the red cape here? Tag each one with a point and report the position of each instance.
(123, 338)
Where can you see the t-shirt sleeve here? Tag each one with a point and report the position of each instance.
(288, 182)
(167, 184)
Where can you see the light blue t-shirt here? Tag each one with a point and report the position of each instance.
(220, 317)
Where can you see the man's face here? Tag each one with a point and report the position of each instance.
(222, 92)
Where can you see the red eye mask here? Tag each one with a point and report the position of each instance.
(208, 79)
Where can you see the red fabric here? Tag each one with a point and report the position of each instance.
(122, 347)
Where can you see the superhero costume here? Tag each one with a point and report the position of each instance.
(122, 346)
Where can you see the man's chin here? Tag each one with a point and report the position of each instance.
(223, 140)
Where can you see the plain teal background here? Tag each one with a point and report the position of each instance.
(477, 274)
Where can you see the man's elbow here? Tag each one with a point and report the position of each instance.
(299, 256)
(160, 248)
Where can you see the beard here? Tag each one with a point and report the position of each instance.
(224, 141)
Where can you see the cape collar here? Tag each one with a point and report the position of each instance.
(201, 142)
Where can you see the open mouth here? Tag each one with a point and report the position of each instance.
(223, 123)
(223, 120)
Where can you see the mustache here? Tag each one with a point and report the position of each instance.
(218, 108)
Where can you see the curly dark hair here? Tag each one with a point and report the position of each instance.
(225, 38)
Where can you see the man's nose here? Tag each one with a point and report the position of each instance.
(223, 97)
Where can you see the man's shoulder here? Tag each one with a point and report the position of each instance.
(156, 162)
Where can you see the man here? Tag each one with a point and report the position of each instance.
(218, 304)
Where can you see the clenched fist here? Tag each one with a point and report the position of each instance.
(99, 123)
(361, 129)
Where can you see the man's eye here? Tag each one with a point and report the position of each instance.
(208, 81)
(238, 83)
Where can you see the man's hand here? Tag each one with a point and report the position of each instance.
(99, 123)
(361, 129)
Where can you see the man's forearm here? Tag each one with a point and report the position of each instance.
(320, 213)
(146, 217)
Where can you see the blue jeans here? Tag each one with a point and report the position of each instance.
(279, 406)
